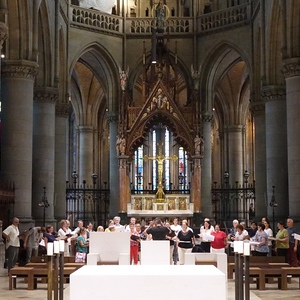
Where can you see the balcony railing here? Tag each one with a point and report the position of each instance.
(173, 25)
(95, 20)
(233, 16)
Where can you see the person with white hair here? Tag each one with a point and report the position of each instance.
(231, 235)
(118, 226)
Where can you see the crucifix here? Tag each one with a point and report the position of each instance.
(160, 158)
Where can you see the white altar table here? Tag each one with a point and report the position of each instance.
(147, 282)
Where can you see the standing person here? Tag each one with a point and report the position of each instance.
(231, 235)
(204, 233)
(269, 232)
(82, 246)
(241, 233)
(293, 244)
(261, 236)
(176, 228)
(219, 244)
(118, 226)
(158, 232)
(252, 232)
(11, 235)
(282, 241)
(48, 235)
(32, 240)
(186, 242)
(134, 244)
(171, 236)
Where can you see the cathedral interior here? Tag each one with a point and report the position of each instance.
(149, 108)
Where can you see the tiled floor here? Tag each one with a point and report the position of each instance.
(271, 292)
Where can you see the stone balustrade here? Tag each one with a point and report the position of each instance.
(233, 16)
(95, 20)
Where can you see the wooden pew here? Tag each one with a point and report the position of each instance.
(258, 261)
(289, 271)
(20, 272)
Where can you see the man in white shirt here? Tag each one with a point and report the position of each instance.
(118, 226)
(11, 235)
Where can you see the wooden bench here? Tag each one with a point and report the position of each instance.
(43, 273)
(20, 272)
(289, 271)
(258, 261)
(262, 273)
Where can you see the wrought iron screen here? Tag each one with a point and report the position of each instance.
(233, 202)
(87, 204)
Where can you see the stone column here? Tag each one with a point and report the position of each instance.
(261, 204)
(17, 116)
(206, 171)
(276, 149)
(196, 196)
(61, 128)
(113, 167)
(123, 174)
(43, 153)
(292, 79)
(235, 152)
(86, 150)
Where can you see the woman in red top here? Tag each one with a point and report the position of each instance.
(220, 242)
(134, 244)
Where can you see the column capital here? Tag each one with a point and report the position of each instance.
(273, 93)
(291, 67)
(62, 109)
(257, 107)
(112, 117)
(45, 94)
(19, 69)
(207, 117)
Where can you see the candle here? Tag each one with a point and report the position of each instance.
(49, 248)
(235, 245)
(61, 246)
(246, 248)
(240, 247)
(56, 246)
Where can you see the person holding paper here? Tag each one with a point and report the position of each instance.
(269, 232)
(48, 235)
(282, 241)
(219, 243)
(241, 233)
(205, 234)
(261, 236)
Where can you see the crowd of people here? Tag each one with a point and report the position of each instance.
(265, 242)
(181, 237)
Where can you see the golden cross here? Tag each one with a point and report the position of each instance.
(160, 158)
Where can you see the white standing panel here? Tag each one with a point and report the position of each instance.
(147, 282)
(155, 252)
